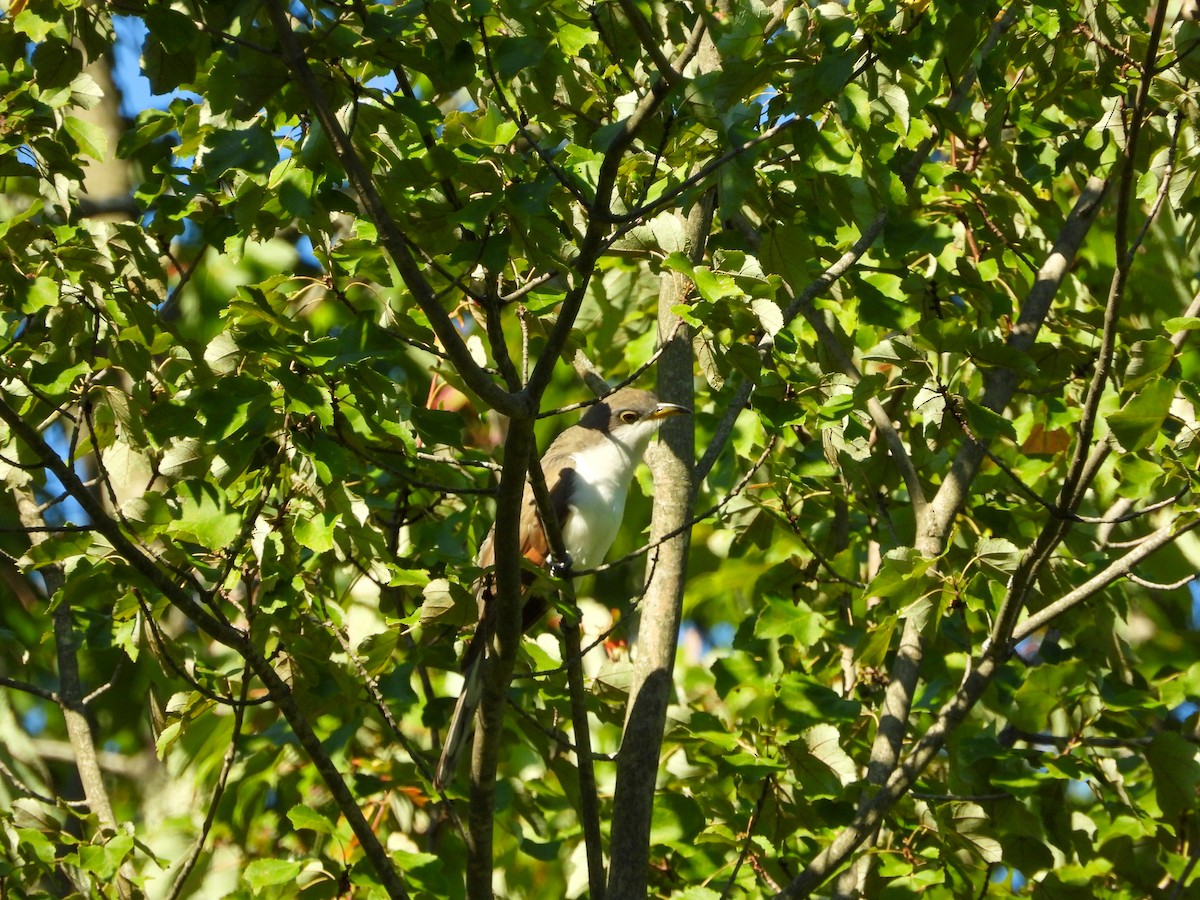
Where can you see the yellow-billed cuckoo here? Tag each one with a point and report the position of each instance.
(588, 469)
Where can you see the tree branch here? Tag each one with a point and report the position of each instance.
(222, 632)
(397, 244)
(70, 694)
(646, 37)
(658, 632)
(977, 679)
(498, 662)
(599, 214)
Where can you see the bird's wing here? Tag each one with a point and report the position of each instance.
(560, 477)
(560, 472)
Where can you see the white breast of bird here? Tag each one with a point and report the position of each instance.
(602, 476)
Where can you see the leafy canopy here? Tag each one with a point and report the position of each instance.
(930, 269)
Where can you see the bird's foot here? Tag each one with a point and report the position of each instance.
(561, 568)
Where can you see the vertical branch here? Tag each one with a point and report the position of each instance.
(674, 495)
(498, 661)
(589, 812)
(70, 692)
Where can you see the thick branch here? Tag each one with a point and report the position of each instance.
(498, 661)
(674, 496)
(70, 693)
(1000, 383)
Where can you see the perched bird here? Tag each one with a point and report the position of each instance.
(588, 469)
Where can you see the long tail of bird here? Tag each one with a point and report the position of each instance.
(462, 723)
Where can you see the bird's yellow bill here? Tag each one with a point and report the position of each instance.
(668, 409)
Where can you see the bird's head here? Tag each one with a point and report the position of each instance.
(630, 417)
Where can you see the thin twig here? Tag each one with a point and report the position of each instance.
(36, 795)
(768, 783)
(193, 856)
(27, 688)
(543, 154)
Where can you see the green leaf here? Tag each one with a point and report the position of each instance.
(785, 618)
(201, 515)
(677, 819)
(407, 577)
(803, 701)
(42, 292)
(265, 873)
(714, 286)
(902, 577)
(57, 548)
(35, 844)
(999, 554)
(1045, 689)
(376, 650)
(89, 136)
(1176, 769)
(32, 25)
(315, 529)
(1147, 359)
(1138, 422)
(104, 860)
(251, 149)
(573, 39)
(1182, 323)
(987, 425)
(969, 824)
(307, 818)
(824, 746)
(516, 53)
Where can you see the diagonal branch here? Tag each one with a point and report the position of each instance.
(934, 528)
(237, 640)
(646, 37)
(397, 244)
(1122, 567)
(600, 212)
(953, 712)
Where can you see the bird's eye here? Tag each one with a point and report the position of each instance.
(629, 417)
